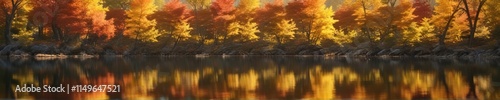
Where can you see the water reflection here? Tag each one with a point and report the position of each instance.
(285, 77)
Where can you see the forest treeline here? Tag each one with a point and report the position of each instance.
(214, 26)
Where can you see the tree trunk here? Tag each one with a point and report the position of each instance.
(448, 23)
(472, 22)
(55, 32)
(40, 33)
(7, 34)
(175, 45)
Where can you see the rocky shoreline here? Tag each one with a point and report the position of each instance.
(52, 51)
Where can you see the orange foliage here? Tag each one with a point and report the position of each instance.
(172, 13)
(223, 14)
(346, 15)
(119, 19)
(422, 9)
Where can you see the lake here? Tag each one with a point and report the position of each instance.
(255, 77)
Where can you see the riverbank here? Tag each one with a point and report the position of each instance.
(53, 51)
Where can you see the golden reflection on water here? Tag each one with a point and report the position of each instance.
(271, 82)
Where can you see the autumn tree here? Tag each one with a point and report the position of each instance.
(273, 23)
(96, 20)
(72, 19)
(118, 16)
(223, 16)
(394, 17)
(21, 26)
(9, 11)
(313, 19)
(65, 17)
(473, 13)
(173, 21)
(365, 16)
(246, 29)
(423, 9)
(492, 18)
(201, 21)
(445, 13)
(138, 26)
(346, 16)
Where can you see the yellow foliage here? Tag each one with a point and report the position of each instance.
(243, 32)
(25, 34)
(344, 37)
(443, 11)
(322, 25)
(182, 30)
(138, 25)
(412, 34)
(284, 31)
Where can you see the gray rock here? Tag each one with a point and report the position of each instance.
(109, 52)
(497, 52)
(460, 52)
(7, 49)
(317, 53)
(360, 52)
(438, 49)
(396, 52)
(421, 51)
(279, 52)
(372, 52)
(384, 52)
(39, 49)
(304, 52)
(19, 53)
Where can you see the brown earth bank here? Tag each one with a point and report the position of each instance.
(51, 50)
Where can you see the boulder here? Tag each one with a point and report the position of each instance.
(317, 53)
(460, 52)
(360, 52)
(39, 49)
(384, 52)
(373, 52)
(109, 52)
(438, 49)
(19, 53)
(7, 49)
(396, 52)
(305, 52)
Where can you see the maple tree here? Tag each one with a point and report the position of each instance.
(173, 21)
(97, 23)
(423, 9)
(273, 23)
(345, 15)
(365, 16)
(245, 13)
(492, 18)
(223, 15)
(138, 26)
(473, 13)
(443, 19)
(118, 16)
(201, 21)
(313, 19)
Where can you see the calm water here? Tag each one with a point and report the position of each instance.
(258, 77)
